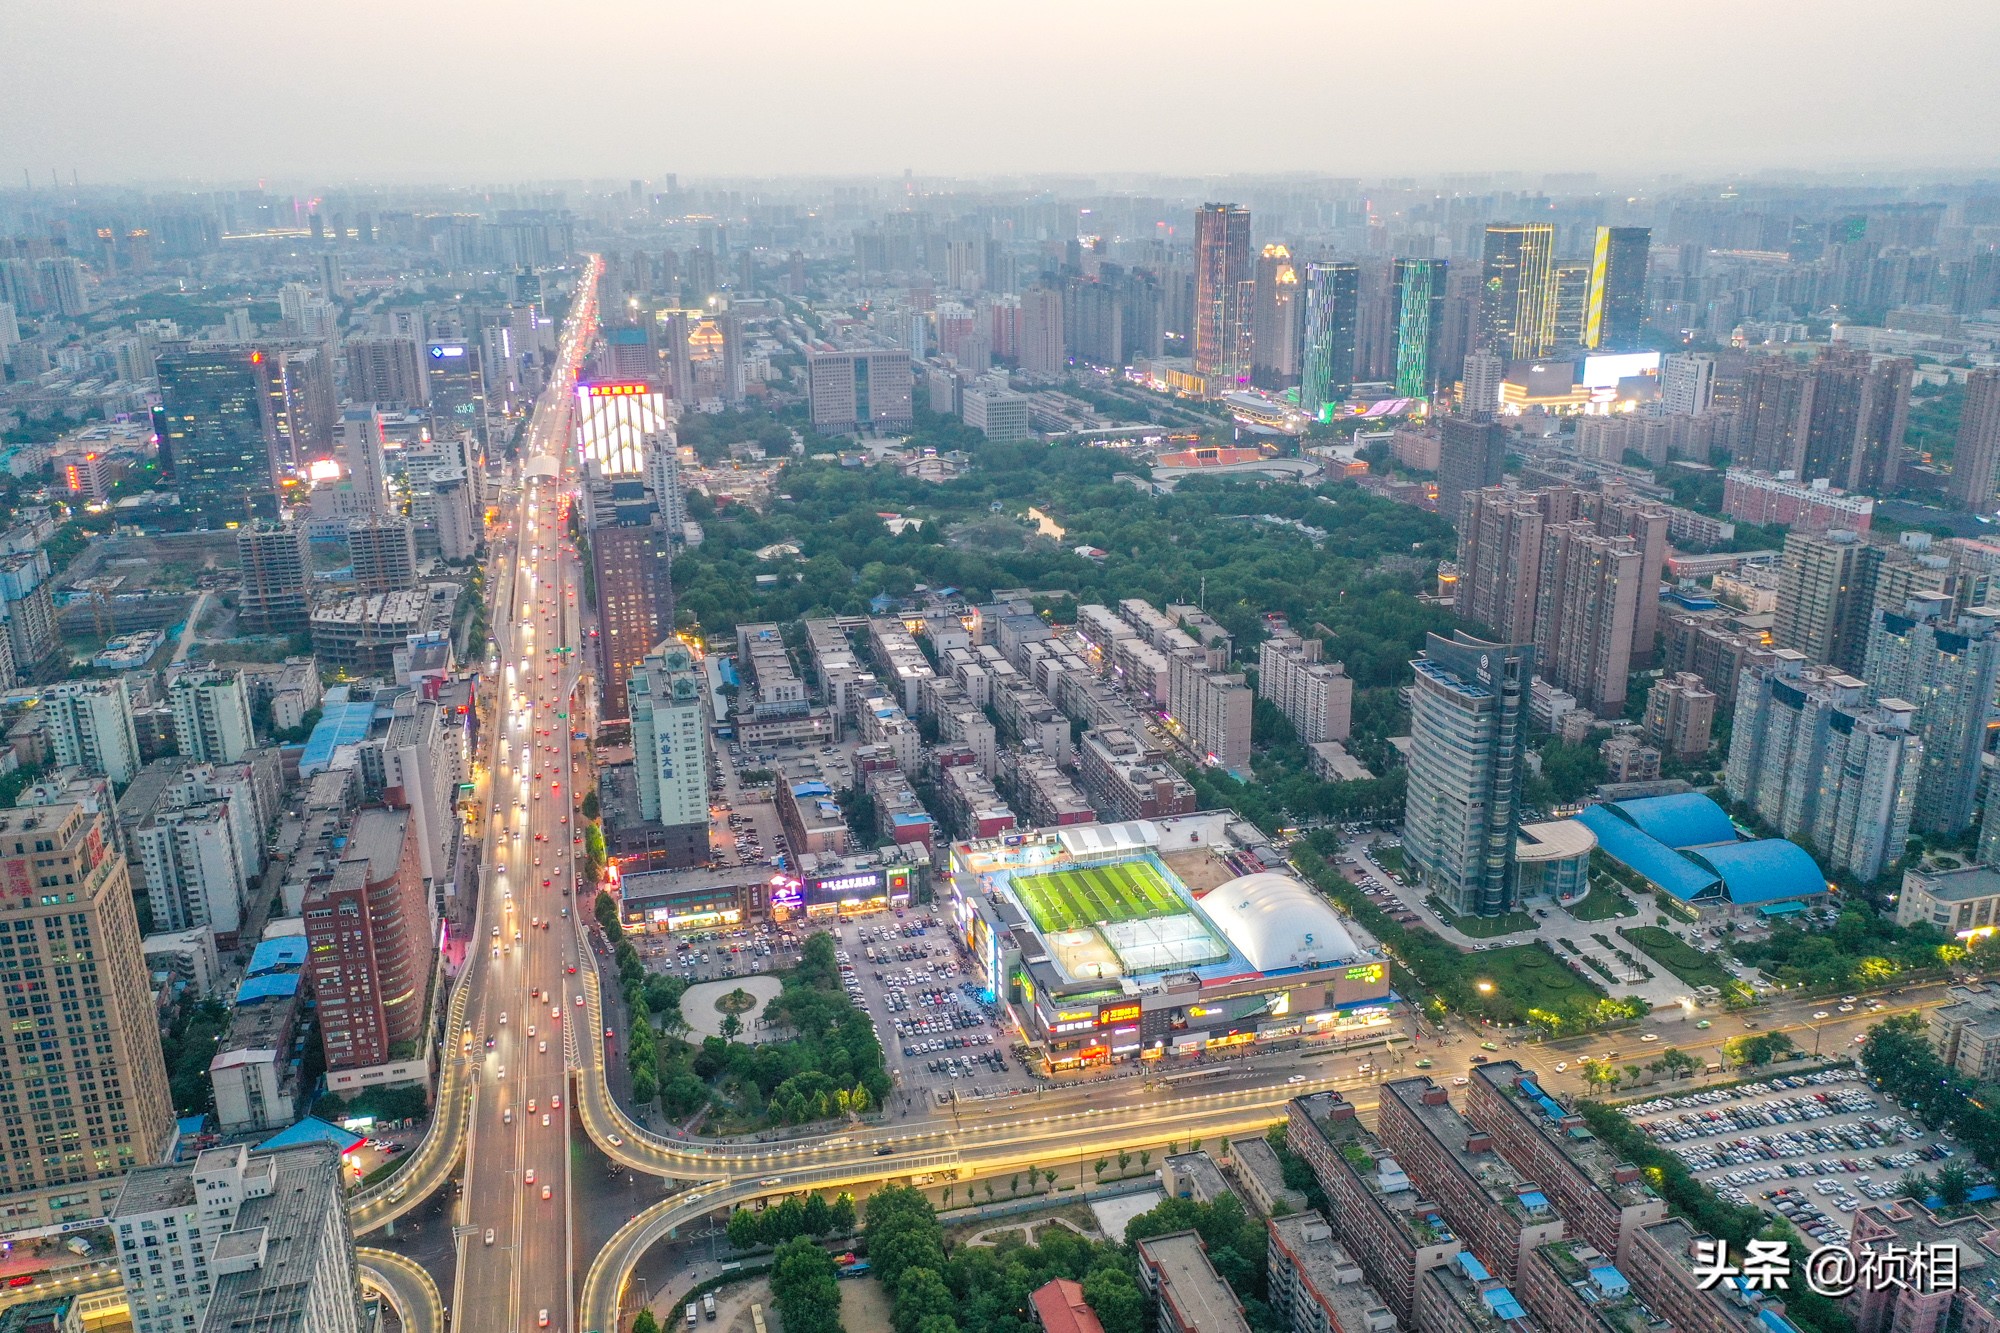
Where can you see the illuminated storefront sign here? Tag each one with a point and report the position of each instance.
(1370, 972)
(1117, 1013)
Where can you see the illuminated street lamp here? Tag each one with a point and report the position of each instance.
(1483, 987)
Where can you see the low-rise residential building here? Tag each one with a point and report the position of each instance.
(1193, 1175)
(1397, 1234)
(1189, 1295)
(1130, 777)
(1966, 1031)
(1955, 901)
(1662, 1266)
(1315, 1286)
(1262, 1177)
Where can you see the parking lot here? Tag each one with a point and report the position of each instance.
(937, 1032)
(1813, 1148)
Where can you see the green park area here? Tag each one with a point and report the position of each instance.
(1679, 957)
(1604, 902)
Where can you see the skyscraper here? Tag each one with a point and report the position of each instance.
(1817, 761)
(1777, 398)
(299, 381)
(1416, 304)
(1585, 604)
(386, 371)
(361, 453)
(1617, 304)
(1332, 314)
(1479, 390)
(1517, 308)
(1860, 405)
(669, 739)
(457, 388)
(1275, 337)
(84, 1083)
(1975, 462)
(217, 437)
(1947, 669)
(1223, 291)
(1468, 742)
(371, 945)
(631, 553)
(1572, 283)
(865, 389)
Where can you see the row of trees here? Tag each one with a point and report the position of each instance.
(1899, 1058)
(805, 1287)
(813, 1216)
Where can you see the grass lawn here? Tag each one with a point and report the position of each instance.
(1073, 899)
(1602, 903)
(1483, 927)
(1678, 957)
(1530, 975)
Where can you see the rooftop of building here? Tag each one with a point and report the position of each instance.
(1199, 1172)
(1554, 840)
(1677, 1239)
(1506, 1187)
(155, 1189)
(1205, 1300)
(1915, 1225)
(1376, 1167)
(1567, 1133)
(1060, 1307)
(1955, 886)
(1600, 1285)
(1483, 1302)
(296, 1248)
(1257, 1161)
(42, 1314)
(1326, 1266)
(377, 837)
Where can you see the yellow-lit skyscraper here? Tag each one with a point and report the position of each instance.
(1224, 292)
(1617, 305)
(1517, 304)
(1276, 334)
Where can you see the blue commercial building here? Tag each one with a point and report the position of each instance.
(1686, 845)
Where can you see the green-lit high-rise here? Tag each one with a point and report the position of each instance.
(1416, 296)
(1333, 313)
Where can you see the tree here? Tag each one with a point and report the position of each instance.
(745, 1232)
(1101, 1163)
(1954, 1186)
(921, 1295)
(644, 1322)
(590, 804)
(606, 909)
(1120, 1306)
(804, 1288)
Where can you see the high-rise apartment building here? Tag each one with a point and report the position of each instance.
(1468, 747)
(1947, 668)
(1224, 292)
(1317, 696)
(211, 715)
(361, 453)
(1472, 455)
(88, 724)
(1586, 603)
(387, 372)
(370, 946)
(457, 388)
(236, 1241)
(1680, 715)
(1331, 323)
(189, 862)
(1212, 709)
(1821, 586)
(1819, 762)
(1517, 308)
(612, 423)
(83, 1084)
(1416, 305)
(217, 439)
(1617, 304)
(65, 285)
(383, 552)
(860, 390)
(631, 553)
(1500, 556)
(1278, 324)
(1687, 383)
(1860, 406)
(1975, 460)
(669, 743)
(275, 563)
(1043, 336)
(1479, 385)
(1775, 415)
(299, 383)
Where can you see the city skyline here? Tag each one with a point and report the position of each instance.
(1913, 104)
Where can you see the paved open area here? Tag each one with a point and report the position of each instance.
(705, 1007)
(1812, 1147)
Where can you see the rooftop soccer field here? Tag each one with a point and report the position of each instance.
(1090, 895)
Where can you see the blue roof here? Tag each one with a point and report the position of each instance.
(1469, 1264)
(314, 1130)
(1765, 871)
(267, 987)
(1503, 1304)
(1609, 1280)
(1687, 820)
(339, 724)
(190, 1125)
(276, 952)
(905, 821)
(1659, 863)
(802, 789)
(1782, 909)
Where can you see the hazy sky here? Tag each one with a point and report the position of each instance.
(505, 90)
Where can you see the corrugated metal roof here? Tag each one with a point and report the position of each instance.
(1687, 819)
(1649, 856)
(1765, 871)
